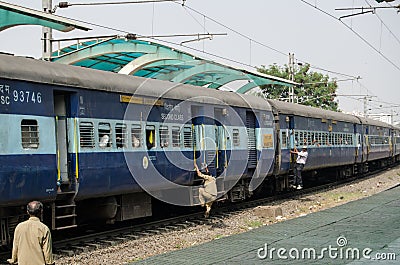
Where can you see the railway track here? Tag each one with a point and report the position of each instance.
(101, 239)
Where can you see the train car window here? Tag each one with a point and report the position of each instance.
(164, 136)
(136, 134)
(104, 135)
(284, 140)
(301, 138)
(296, 138)
(325, 139)
(176, 136)
(120, 135)
(236, 137)
(187, 137)
(30, 134)
(86, 134)
(150, 137)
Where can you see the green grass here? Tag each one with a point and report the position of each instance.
(343, 196)
(254, 223)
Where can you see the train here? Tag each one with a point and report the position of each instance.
(93, 145)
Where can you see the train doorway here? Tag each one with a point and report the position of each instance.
(251, 140)
(60, 111)
(220, 140)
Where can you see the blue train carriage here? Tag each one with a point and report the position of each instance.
(171, 126)
(377, 143)
(85, 137)
(332, 138)
(28, 156)
(233, 135)
(66, 140)
(396, 143)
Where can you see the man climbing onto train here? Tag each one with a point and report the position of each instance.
(300, 163)
(207, 193)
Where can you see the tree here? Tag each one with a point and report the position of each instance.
(315, 90)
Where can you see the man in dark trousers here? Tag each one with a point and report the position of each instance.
(300, 163)
(32, 239)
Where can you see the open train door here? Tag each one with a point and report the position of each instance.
(63, 209)
(251, 141)
(365, 148)
(60, 112)
(221, 140)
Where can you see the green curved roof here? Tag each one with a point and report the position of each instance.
(14, 15)
(153, 60)
(136, 57)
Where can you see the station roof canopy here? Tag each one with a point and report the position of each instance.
(152, 60)
(14, 15)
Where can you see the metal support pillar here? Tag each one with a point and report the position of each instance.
(47, 33)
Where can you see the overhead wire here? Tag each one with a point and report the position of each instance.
(262, 44)
(362, 38)
(197, 50)
(66, 4)
(384, 24)
(356, 33)
(233, 30)
(163, 41)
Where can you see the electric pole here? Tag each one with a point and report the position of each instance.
(365, 107)
(291, 77)
(47, 33)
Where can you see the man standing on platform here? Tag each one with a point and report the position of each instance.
(32, 239)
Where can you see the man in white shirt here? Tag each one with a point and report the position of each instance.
(300, 162)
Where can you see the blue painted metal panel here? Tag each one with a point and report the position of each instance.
(10, 129)
(104, 174)
(322, 157)
(27, 177)
(378, 152)
(19, 97)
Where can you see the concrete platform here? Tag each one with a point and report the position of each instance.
(366, 231)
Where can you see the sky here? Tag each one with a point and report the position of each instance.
(259, 33)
